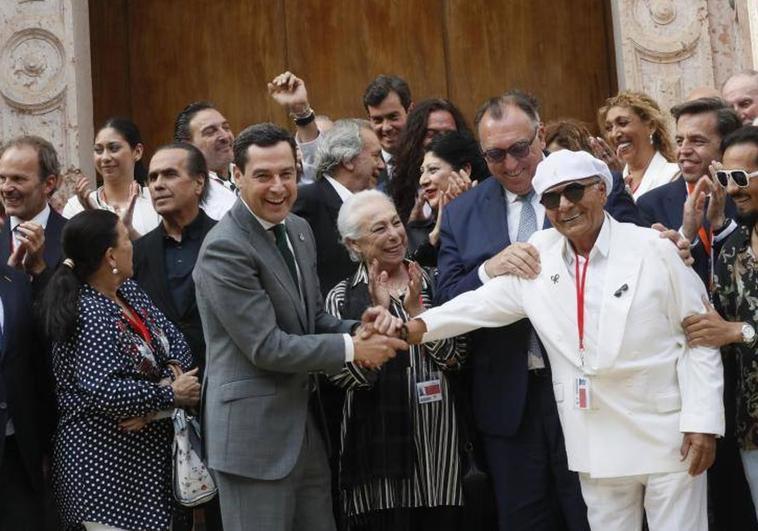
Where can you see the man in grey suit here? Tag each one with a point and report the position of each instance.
(263, 319)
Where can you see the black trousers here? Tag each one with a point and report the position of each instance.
(22, 507)
(534, 489)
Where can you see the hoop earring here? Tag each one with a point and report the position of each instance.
(651, 138)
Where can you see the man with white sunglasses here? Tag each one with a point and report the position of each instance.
(731, 325)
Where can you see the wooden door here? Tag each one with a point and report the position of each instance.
(152, 57)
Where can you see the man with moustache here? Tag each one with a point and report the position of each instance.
(482, 237)
(731, 325)
(741, 92)
(607, 304)
(701, 125)
(203, 126)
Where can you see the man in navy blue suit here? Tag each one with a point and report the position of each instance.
(701, 124)
(29, 172)
(30, 248)
(512, 392)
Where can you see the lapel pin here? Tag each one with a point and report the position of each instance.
(555, 278)
(300, 235)
(621, 290)
(6, 278)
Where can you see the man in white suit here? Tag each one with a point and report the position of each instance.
(639, 408)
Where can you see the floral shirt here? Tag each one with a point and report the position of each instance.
(736, 299)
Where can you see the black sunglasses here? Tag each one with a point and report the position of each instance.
(740, 177)
(519, 150)
(573, 192)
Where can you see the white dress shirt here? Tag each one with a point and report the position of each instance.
(340, 188)
(593, 289)
(267, 225)
(40, 218)
(389, 163)
(218, 199)
(513, 212)
(145, 217)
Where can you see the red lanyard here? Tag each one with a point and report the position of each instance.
(581, 282)
(138, 325)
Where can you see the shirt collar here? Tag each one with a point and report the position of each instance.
(340, 188)
(192, 231)
(40, 218)
(388, 157)
(602, 244)
(266, 224)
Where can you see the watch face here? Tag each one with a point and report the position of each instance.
(748, 333)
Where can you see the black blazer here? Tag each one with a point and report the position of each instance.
(320, 204)
(665, 204)
(150, 274)
(53, 232)
(26, 386)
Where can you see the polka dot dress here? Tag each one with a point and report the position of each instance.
(105, 373)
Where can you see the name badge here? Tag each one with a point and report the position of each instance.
(429, 391)
(582, 393)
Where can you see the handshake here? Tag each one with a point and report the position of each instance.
(377, 339)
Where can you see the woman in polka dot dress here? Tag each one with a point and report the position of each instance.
(118, 364)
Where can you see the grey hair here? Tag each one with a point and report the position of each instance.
(341, 143)
(350, 220)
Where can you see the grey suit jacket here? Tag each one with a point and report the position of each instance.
(262, 341)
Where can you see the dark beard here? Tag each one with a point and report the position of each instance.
(748, 219)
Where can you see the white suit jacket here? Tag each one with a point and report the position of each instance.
(647, 385)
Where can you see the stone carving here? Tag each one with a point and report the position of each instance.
(662, 11)
(665, 47)
(32, 61)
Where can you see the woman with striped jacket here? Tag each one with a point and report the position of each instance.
(399, 455)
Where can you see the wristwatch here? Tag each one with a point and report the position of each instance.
(748, 334)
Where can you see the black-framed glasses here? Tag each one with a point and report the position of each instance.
(574, 192)
(740, 177)
(519, 150)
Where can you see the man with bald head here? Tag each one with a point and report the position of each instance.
(741, 92)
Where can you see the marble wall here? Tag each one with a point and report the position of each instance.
(45, 79)
(667, 48)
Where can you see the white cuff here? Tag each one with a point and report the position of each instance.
(725, 232)
(349, 348)
(482, 273)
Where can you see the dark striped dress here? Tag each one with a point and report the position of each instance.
(436, 480)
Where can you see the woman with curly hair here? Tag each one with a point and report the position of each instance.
(426, 120)
(636, 129)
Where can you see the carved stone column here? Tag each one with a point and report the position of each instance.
(663, 47)
(45, 79)
(666, 48)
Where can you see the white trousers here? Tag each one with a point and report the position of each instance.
(750, 464)
(674, 501)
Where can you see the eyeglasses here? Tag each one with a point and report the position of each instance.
(574, 192)
(740, 177)
(519, 150)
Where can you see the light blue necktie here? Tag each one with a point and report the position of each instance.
(526, 227)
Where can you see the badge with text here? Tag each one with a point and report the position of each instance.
(582, 393)
(429, 391)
